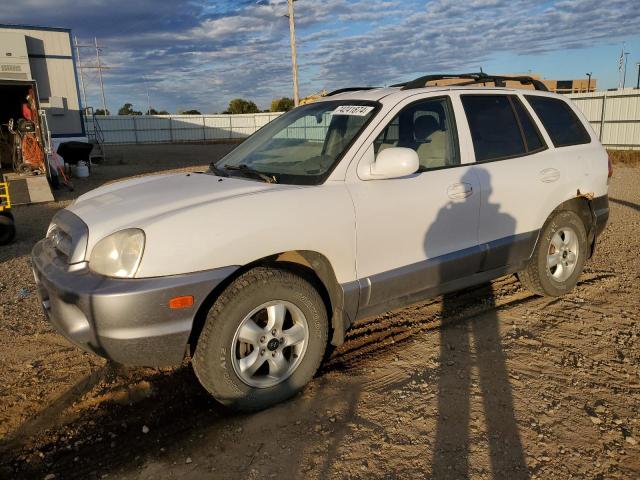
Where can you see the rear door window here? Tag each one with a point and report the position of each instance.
(494, 128)
(562, 124)
(531, 135)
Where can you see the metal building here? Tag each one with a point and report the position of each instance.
(39, 108)
(45, 55)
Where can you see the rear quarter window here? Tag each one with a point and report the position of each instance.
(559, 120)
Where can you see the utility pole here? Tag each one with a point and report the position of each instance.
(104, 101)
(638, 82)
(146, 85)
(621, 66)
(589, 81)
(84, 91)
(294, 59)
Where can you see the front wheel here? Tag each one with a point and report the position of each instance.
(7, 228)
(263, 340)
(559, 256)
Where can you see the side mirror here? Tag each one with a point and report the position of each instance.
(395, 162)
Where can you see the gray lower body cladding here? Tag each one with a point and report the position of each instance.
(436, 276)
(443, 274)
(125, 320)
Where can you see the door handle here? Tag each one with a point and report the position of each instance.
(459, 190)
(549, 175)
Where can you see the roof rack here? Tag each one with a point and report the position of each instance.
(349, 89)
(474, 78)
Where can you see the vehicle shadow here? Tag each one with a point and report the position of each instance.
(625, 203)
(102, 409)
(117, 434)
(467, 348)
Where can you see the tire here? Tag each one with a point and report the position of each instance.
(7, 229)
(258, 296)
(539, 276)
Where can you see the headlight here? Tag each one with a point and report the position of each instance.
(119, 254)
(52, 227)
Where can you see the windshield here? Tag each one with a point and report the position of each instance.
(300, 147)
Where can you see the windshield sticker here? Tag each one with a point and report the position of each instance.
(357, 110)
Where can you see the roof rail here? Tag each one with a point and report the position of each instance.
(420, 82)
(349, 89)
(474, 78)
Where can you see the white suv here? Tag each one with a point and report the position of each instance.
(364, 201)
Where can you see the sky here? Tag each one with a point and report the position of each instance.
(197, 54)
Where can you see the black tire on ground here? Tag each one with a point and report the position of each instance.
(536, 277)
(7, 228)
(212, 360)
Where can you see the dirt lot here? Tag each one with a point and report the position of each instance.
(512, 386)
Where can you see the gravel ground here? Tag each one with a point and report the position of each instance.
(491, 382)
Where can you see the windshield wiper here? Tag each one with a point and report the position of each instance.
(218, 171)
(246, 169)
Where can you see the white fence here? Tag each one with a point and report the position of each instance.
(615, 116)
(124, 129)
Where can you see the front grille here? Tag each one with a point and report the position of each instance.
(68, 236)
(61, 242)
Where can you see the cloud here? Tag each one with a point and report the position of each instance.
(200, 54)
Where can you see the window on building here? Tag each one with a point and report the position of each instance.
(564, 85)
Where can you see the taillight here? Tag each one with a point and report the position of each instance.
(610, 174)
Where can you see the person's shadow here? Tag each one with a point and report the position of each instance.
(453, 437)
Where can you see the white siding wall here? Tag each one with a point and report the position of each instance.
(122, 129)
(619, 128)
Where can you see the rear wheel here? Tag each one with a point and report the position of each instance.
(559, 256)
(7, 228)
(263, 340)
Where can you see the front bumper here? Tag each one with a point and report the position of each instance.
(125, 320)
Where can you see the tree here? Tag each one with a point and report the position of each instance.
(190, 112)
(153, 111)
(283, 104)
(100, 111)
(127, 109)
(239, 105)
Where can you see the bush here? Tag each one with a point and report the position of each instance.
(625, 157)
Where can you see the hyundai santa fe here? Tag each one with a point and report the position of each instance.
(367, 200)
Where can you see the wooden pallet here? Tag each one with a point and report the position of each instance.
(26, 190)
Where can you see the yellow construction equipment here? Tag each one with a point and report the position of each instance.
(7, 225)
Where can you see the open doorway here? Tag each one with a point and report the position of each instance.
(21, 131)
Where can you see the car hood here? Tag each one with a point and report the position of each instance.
(132, 202)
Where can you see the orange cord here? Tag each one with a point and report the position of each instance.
(32, 153)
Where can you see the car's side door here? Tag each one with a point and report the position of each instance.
(521, 178)
(415, 233)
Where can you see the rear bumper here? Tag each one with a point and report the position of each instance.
(600, 207)
(125, 320)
